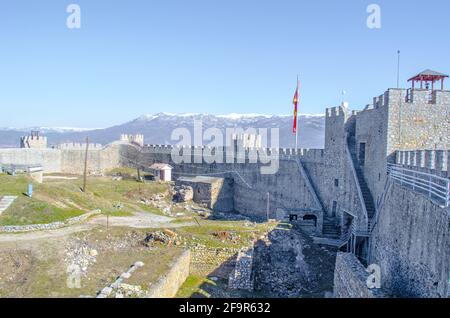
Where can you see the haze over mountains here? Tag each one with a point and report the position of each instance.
(157, 129)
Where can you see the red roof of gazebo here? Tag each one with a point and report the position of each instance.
(428, 75)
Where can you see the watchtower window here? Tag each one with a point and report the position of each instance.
(336, 182)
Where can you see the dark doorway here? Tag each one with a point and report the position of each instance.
(362, 153)
(334, 209)
(310, 217)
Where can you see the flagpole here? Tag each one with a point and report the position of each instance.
(296, 119)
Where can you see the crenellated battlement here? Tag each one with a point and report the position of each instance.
(313, 155)
(248, 140)
(434, 161)
(78, 146)
(135, 139)
(335, 111)
(33, 141)
(381, 101)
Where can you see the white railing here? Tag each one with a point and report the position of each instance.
(435, 187)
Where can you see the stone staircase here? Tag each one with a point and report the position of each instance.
(330, 230)
(5, 202)
(367, 196)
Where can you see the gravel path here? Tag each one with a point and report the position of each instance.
(138, 220)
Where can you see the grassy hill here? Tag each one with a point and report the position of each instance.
(60, 199)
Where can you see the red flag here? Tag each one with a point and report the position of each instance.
(294, 130)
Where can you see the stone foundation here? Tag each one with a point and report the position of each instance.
(350, 279)
(167, 286)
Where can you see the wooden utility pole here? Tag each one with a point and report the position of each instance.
(398, 69)
(85, 164)
(268, 206)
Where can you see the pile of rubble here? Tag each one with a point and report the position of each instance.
(129, 239)
(79, 255)
(182, 193)
(129, 291)
(241, 277)
(280, 265)
(165, 237)
(118, 289)
(227, 236)
(158, 201)
(153, 199)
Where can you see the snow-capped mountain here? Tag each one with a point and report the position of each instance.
(157, 129)
(47, 129)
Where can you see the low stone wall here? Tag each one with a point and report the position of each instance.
(48, 226)
(350, 279)
(241, 277)
(167, 286)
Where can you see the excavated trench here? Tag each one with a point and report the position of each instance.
(287, 264)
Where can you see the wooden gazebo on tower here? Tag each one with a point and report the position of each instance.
(426, 78)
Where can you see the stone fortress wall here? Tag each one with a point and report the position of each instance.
(65, 160)
(411, 245)
(408, 237)
(404, 231)
(78, 146)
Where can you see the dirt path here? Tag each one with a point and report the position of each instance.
(38, 235)
(138, 220)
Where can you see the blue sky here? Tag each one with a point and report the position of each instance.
(142, 57)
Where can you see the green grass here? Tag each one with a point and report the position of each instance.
(204, 233)
(192, 286)
(123, 171)
(57, 200)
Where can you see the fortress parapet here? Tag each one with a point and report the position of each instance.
(78, 146)
(137, 139)
(381, 101)
(35, 140)
(247, 140)
(430, 161)
(337, 111)
(242, 155)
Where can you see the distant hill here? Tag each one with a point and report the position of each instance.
(157, 129)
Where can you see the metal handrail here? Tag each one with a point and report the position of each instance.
(435, 187)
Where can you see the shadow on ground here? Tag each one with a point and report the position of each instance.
(286, 264)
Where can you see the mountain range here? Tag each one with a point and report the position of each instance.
(157, 129)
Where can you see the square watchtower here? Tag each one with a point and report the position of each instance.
(410, 119)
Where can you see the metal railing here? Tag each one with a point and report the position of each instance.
(347, 235)
(435, 187)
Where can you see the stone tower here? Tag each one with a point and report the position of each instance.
(34, 140)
